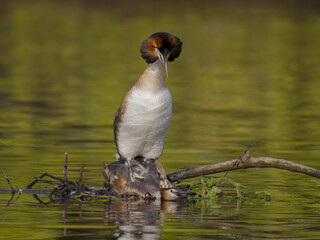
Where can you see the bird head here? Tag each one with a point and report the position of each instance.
(171, 194)
(116, 175)
(163, 46)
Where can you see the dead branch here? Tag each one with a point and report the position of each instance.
(247, 162)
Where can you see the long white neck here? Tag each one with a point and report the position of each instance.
(152, 79)
(145, 115)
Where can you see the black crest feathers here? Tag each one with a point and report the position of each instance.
(160, 40)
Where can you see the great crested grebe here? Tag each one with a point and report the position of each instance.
(144, 115)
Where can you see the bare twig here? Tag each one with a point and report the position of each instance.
(18, 196)
(37, 198)
(42, 176)
(240, 158)
(65, 169)
(9, 201)
(81, 173)
(45, 181)
(247, 162)
(5, 175)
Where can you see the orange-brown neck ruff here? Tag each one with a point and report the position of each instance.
(161, 41)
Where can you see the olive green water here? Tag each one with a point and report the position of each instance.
(247, 70)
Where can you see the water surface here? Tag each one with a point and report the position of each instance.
(246, 71)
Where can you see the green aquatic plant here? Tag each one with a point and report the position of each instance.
(222, 188)
(264, 195)
(206, 189)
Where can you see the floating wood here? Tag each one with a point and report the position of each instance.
(246, 162)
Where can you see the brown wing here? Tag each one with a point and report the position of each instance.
(116, 126)
(118, 119)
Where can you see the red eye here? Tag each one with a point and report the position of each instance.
(171, 191)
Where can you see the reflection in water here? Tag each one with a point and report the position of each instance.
(145, 220)
(137, 220)
(166, 220)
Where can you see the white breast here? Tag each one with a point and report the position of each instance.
(144, 124)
